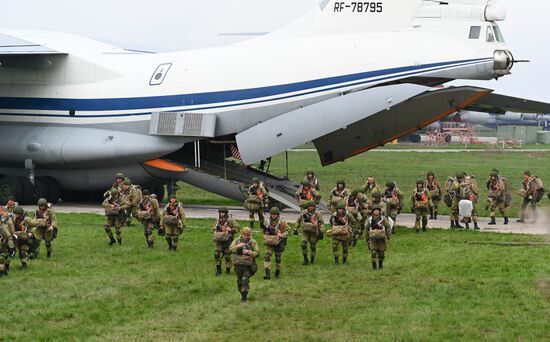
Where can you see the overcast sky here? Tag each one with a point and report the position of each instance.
(168, 25)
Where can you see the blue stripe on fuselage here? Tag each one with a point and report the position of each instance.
(221, 98)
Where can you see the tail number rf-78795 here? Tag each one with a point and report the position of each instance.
(358, 7)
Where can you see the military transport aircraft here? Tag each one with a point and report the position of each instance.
(349, 76)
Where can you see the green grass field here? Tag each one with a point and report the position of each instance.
(405, 168)
(442, 285)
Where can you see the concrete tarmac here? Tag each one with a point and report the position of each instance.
(542, 227)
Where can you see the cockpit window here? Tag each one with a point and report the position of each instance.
(474, 32)
(498, 34)
(490, 35)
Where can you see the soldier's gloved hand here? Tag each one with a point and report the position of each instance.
(295, 231)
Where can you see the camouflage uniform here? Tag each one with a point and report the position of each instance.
(453, 189)
(378, 246)
(117, 185)
(131, 194)
(257, 189)
(115, 217)
(393, 199)
(434, 187)
(10, 206)
(149, 214)
(7, 219)
(304, 194)
(242, 247)
(420, 204)
(313, 216)
(470, 191)
(23, 230)
(173, 230)
(7, 247)
(354, 206)
(48, 231)
(275, 227)
(532, 191)
(337, 194)
(496, 199)
(224, 224)
(310, 177)
(341, 218)
(375, 201)
(371, 187)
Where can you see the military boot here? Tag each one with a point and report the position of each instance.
(23, 266)
(336, 261)
(305, 260)
(452, 226)
(267, 274)
(457, 224)
(119, 241)
(277, 273)
(431, 213)
(521, 220)
(112, 241)
(435, 215)
(244, 297)
(344, 260)
(218, 270)
(49, 254)
(380, 262)
(227, 270)
(467, 225)
(506, 221)
(312, 260)
(476, 226)
(374, 265)
(493, 222)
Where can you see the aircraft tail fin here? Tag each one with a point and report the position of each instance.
(349, 16)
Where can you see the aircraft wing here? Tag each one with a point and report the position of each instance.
(20, 53)
(500, 104)
(353, 123)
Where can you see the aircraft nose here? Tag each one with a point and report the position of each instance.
(503, 62)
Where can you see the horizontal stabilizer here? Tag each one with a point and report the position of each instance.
(500, 104)
(385, 126)
(305, 124)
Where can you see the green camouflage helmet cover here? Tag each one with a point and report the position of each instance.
(19, 210)
(42, 202)
(275, 210)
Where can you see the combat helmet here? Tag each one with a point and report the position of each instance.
(305, 182)
(275, 210)
(255, 180)
(340, 205)
(223, 210)
(19, 210)
(127, 181)
(390, 184)
(247, 231)
(42, 202)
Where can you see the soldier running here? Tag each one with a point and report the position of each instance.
(311, 222)
(246, 251)
(532, 191)
(378, 229)
(224, 229)
(149, 215)
(23, 231)
(115, 212)
(496, 197)
(434, 187)
(420, 204)
(47, 227)
(275, 239)
(341, 232)
(256, 202)
(337, 195)
(173, 222)
(393, 199)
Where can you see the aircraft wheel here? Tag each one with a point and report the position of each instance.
(10, 186)
(54, 189)
(28, 191)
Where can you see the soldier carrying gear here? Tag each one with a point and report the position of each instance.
(173, 222)
(353, 204)
(275, 238)
(337, 195)
(370, 187)
(115, 212)
(393, 199)
(246, 251)
(304, 194)
(378, 229)
(149, 215)
(256, 202)
(420, 204)
(47, 227)
(532, 191)
(10, 206)
(310, 177)
(496, 196)
(453, 190)
(224, 229)
(132, 195)
(7, 221)
(311, 222)
(434, 187)
(23, 231)
(119, 179)
(342, 223)
(7, 246)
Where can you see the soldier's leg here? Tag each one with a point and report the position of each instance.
(239, 274)
(373, 256)
(418, 217)
(252, 218)
(48, 238)
(3, 257)
(169, 230)
(436, 209)
(278, 262)
(245, 279)
(523, 209)
(24, 254)
(502, 210)
(227, 254)
(128, 217)
(109, 229)
(151, 237)
(534, 208)
(303, 245)
(36, 242)
(261, 217)
(335, 251)
(118, 230)
(267, 257)
(345, 249)
(176, 237)
(218, 252)
(313, 246)
(424, 213)
(381, 256)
